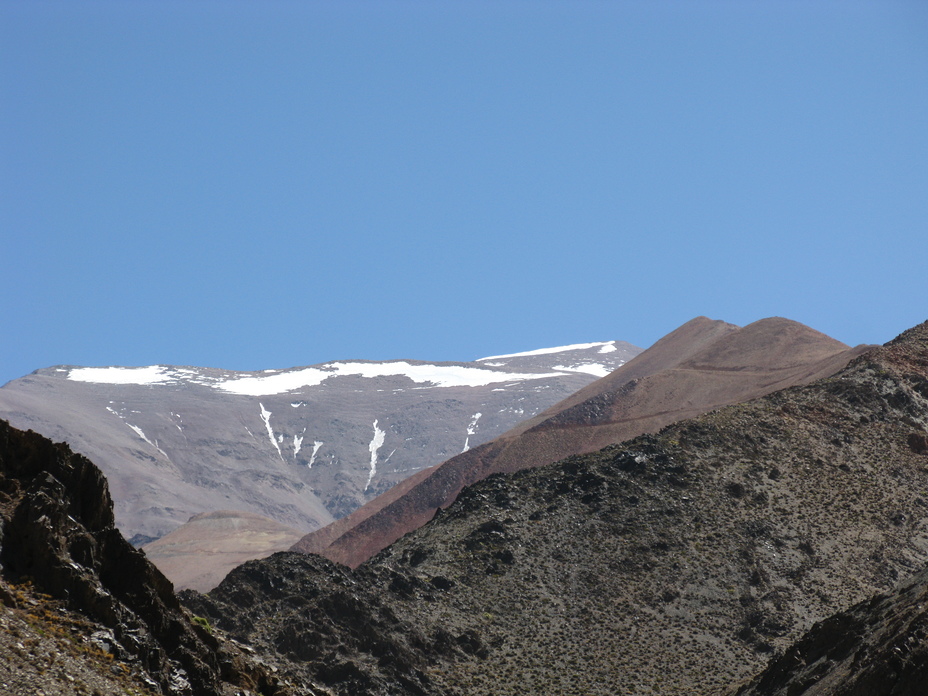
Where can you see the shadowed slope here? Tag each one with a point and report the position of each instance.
(57, 531)
(876, 648)
(700, 366)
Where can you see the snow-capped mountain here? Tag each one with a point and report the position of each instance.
(303, 445)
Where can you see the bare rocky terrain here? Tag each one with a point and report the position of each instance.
(879, 646)
(198, 554)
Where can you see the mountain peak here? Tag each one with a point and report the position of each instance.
(702, 365)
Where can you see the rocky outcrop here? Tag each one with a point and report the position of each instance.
(320, 622)
(876, 648)
(57, 533)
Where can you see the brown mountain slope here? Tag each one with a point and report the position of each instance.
(199, 553)
(700, 366)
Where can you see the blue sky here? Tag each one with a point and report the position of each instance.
(257, 185)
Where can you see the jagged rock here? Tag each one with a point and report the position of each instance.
(57, 532)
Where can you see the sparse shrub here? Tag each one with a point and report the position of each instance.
(203, 623)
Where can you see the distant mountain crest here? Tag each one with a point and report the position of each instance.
(302, 445)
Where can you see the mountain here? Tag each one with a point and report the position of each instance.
(300, 446)
(700, 366)
(675, 563)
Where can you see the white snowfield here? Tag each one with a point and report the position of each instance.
(271, 382)
(604, 347)
(435, 375)
(153, 374)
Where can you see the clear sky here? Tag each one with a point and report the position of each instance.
(256, 185)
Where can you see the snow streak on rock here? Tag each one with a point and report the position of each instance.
(138, 431)
(471, 430)
(298, 443)
(312, 457)
(266, 417)
(603, 348)
(375, 445)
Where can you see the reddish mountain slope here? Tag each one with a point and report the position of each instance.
(701, 366)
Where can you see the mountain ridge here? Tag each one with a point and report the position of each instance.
(677, 562)
(299, 445)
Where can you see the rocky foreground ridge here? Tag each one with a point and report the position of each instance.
(675, 563)
(84, 612)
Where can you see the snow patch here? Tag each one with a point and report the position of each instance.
(432, 374)
(547, 351)
(297, 443)
(271, 382)
(144, 376)
(375, 445)
(609, 348)
(138, 431)
(266, 417)
(153, 374)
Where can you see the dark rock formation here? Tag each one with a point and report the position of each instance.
(57, 532)
(324, 623)
(877, 648)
